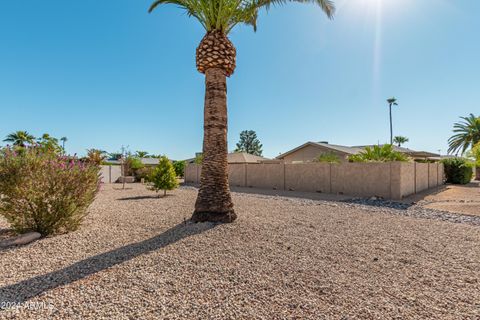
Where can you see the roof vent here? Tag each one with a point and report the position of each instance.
(326, 142)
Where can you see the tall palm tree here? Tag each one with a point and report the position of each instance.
(20, 138)
(63, 139)
(399, 140)
(215, 57)
(467, 134)
(391, 102)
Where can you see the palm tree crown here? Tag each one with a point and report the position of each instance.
(467, 134)
(223, 15)
(20, 138)
(399, 140)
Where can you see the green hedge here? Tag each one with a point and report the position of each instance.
(458, 170)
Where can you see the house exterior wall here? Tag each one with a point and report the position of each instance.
(393, 180)
(310, 153)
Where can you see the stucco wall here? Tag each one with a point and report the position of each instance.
(310, 153)
(432, 175)
(421, 176)
(407, 178)
(314, 177)
(393, 180)
(361, 179)
(110, 174)
(269, 176)
(237, 175)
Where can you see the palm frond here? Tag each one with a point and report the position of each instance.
(224, 15)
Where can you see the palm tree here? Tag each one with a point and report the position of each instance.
(391, 102)
(20, 138)
(467, 134)
(141, 154)
(215, 57)
(63, 139)
(399, 140)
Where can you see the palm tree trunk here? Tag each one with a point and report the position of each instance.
(391, 126)
(214, 202)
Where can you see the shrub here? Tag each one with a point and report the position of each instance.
(458, 170)
(143, 173)
(328, 157)
(383, 153)
(131, 165)
(163, 177)
(179, 167)
(95, 156)
(44, 192)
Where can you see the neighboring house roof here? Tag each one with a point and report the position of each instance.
(243, 157)
(410, 152)
(238, 157)
(356, 149)
(335, 147)
(145, 161)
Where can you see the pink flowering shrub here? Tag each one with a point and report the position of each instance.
(45, 192)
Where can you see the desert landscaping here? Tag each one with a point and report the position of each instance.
(137, 257)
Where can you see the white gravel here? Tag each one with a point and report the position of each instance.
(284, 258)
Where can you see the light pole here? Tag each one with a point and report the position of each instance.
(391, 102)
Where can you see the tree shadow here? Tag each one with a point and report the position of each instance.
(159, 196)
(29, 288)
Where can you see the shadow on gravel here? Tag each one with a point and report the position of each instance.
(141, 197)
(380, 203)
(27, 289)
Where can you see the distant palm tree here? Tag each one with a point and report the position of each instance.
(63, 139)
(399, 140)
(467, 134)
(20, 138)
(141, 154)
(216, 58)
(391, 102)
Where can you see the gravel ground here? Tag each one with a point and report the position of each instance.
(136, 258)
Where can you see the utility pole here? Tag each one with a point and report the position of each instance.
(391, 102)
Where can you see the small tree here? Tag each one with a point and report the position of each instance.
(179, 167)
(249, 143)
(163, 177)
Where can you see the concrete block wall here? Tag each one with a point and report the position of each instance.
(110, 174)
(393, 180)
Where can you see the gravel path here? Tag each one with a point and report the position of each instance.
(284, 258)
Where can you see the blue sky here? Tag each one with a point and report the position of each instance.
(106, 74)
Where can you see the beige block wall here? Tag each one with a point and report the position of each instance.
(110, 174)
(407, 179)
(192, 173)
(421, 176)
(310, 153)
(432, 175)
(388, 180)
(237, 174)
(312, 177)
(361, 179)
(268, 176)
(441, 174)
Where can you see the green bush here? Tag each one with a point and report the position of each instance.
(383, 153)
(143, 173)
(163, 177)
(458, 170)
(179, 167)
(328, 157)
(44, 192)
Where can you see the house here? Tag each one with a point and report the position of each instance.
(309, 151)
(240, 157)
